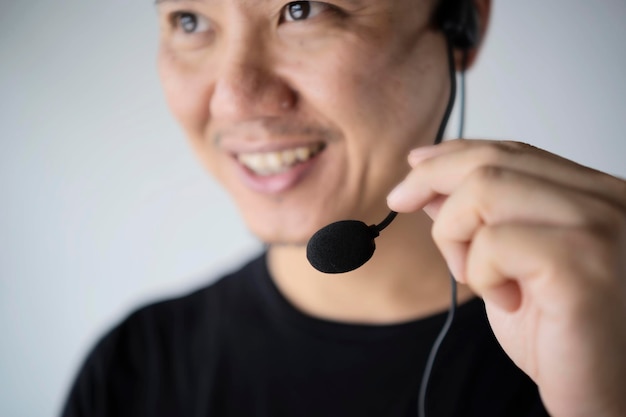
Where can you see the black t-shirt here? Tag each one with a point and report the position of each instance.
(239, 348)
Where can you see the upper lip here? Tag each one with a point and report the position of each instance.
(240, 147)
(270, 136)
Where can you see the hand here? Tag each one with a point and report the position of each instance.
(543, 241)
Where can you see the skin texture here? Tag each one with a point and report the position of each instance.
(541, 239)
(233, 85)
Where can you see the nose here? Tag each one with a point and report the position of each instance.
(247, 86)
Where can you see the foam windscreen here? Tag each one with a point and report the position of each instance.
(341, 246)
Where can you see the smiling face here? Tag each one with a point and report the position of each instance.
(304, 111)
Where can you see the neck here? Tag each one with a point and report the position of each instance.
(406, 279)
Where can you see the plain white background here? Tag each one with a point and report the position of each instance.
(104, 208)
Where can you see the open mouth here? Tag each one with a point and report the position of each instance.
(276, 162)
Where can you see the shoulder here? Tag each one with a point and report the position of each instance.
(153, 351)
(176, 316)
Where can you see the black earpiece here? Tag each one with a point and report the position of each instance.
(458, 19)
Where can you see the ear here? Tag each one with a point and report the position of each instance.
(483, 11)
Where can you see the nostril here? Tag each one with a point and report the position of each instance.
(288, 101)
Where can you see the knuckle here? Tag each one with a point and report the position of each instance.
(438, 232)
(615, 218)
(484, 176)
(499, 151)
(614, 186)
(514, 147)
(604, 220)
(594, 254)
(583, 241)
(484, 185)
(593, 213)
(491, 154)
(483, 238)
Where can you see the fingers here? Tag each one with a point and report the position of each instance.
(494, 196)
(555, 300)
(542, 240)
(466, 186)
(506, 260)
(438, 170)
(562, 269)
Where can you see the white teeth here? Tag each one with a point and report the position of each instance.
(289, 157)
(271, 163)
(302, 154)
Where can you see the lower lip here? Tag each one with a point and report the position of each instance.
(278, 183)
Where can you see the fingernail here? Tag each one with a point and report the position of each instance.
(419, 154)
(396, 196)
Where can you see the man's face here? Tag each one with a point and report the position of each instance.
(304, 111)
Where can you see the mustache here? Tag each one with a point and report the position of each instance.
(277, 128)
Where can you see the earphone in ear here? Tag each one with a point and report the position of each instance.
(459, 20)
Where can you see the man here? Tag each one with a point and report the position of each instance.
(306, 113)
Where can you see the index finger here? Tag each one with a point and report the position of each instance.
(440, 169)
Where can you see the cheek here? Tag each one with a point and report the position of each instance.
(186, 93)
(404, 95)
(378, 94)
(386, 103)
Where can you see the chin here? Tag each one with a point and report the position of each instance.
(281, 239)
(284, 230)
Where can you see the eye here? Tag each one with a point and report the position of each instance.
(302, 10)
(190, 22)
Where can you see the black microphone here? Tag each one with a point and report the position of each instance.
(345, 245)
